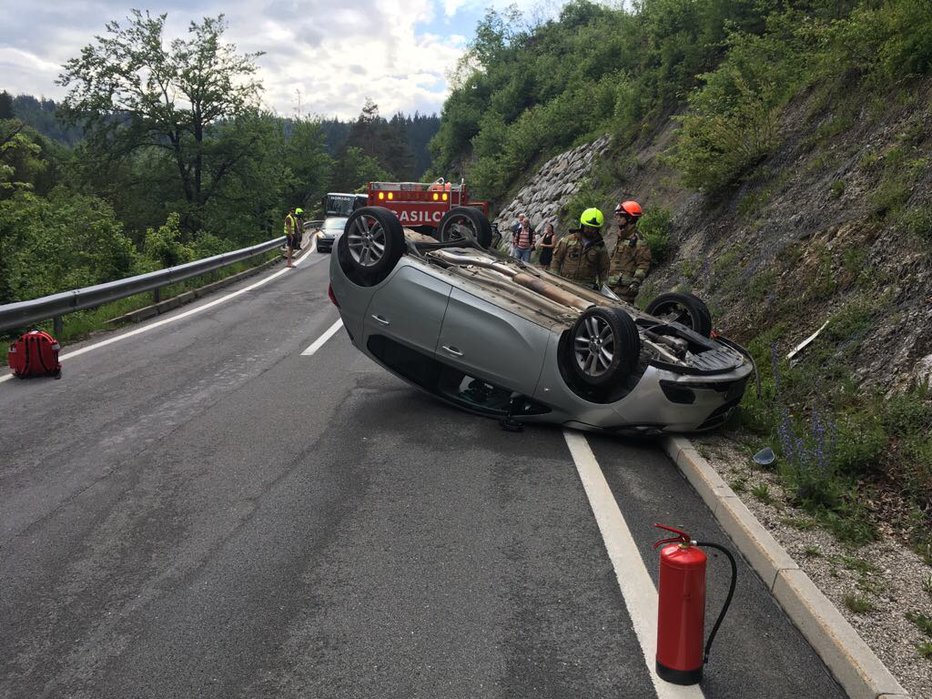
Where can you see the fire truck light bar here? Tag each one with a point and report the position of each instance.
(415, 196)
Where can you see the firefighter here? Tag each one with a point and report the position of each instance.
(631, 257)
(581, 256)
(298, 228)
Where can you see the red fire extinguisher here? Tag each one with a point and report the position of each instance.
(681, 607)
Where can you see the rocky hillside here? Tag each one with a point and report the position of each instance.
(831, 234)
(815, 234)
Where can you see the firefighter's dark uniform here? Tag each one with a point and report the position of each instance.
(583, 262)
(629, 266)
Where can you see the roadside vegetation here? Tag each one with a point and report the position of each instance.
(729, 72)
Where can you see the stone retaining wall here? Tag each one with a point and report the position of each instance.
(551, 187)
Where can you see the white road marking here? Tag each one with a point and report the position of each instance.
(637, 588)
(319, 342)
(166, 321)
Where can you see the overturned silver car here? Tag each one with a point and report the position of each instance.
(497, 337)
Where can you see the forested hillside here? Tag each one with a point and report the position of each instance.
(783, 153)
(525, 92)
(41, 115)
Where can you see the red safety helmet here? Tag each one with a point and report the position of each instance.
(630, 209)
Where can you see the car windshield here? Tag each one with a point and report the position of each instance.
(334, 225)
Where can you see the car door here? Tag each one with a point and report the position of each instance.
(492, 343)
(409, 310)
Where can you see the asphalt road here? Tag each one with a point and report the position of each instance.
(196, 509)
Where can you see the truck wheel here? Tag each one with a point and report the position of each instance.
(463, 223)
(606, 346)
(684, 309)
(372, 243)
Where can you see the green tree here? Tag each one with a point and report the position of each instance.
(308, 163)
(354, 169)
(21, 163)
(64, 241)
(248, 203)
(133, 93)
(366, 131)
(43, 116)
(385, 142)
(732, 123)
(6, 105)
(495, 33)
(398, 154)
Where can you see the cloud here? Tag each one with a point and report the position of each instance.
(318, 59)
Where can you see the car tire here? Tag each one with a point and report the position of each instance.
(685, 309)
(605, 346)
(468, 219)
(373, 241)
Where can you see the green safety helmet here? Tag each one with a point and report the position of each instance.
(592, 217)
(299, 211)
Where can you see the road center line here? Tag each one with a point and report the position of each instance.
(319, 342)
(637, 588)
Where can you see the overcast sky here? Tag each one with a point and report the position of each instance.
(322, 57)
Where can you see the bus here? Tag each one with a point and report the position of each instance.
(342, 204)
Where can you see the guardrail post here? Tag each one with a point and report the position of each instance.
(156, 295)
(57, 326)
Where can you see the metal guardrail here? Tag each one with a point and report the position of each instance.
(25, 313)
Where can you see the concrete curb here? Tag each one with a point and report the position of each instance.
(853, 663)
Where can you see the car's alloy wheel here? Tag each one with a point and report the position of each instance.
(372, 242)
(605, 346)
(683, 308)
(462, 222)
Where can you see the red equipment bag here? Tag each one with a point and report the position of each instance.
(34, 354)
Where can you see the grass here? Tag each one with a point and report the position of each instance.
(859, 565)
(804, 524)
(916, 222)
(924, 624)
(761, 491)
(921, 622)
(858, 604)
(812, 552)
(761, 285)
(835, 440)
(726, 270)
(922, 543)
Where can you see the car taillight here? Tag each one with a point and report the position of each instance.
(330, 295)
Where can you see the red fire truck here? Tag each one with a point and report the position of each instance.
(433, 208)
